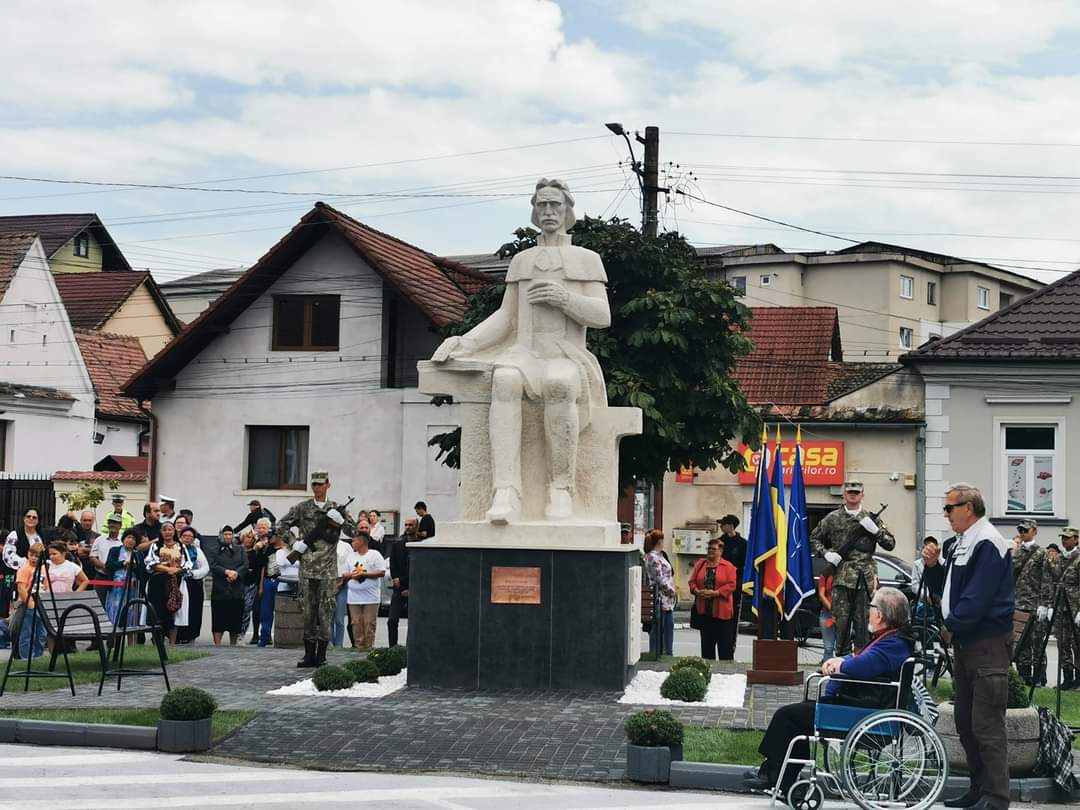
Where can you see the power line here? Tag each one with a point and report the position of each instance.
(764, 218)
(860, 139)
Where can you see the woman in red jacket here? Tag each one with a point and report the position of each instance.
(713, 582)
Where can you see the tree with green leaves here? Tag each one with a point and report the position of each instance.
(88, 495)
(671, 351)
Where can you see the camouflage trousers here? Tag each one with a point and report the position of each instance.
(318, 597)
(1025, 655)
(1068, 643)
(851, 613)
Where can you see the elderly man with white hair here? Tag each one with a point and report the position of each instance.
(881, 659)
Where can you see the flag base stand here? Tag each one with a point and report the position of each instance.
(776, 662)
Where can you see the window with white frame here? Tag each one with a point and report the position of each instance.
(982, 297)
(739, 284)
(765, 280)
(907, 336)
(907, 287)
(1029, 460)
(81, 247)
(931, 293)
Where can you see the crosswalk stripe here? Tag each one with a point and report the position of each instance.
(43, 757)
(254, 775)
(359, 796)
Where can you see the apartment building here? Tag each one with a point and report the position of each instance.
(890, 299)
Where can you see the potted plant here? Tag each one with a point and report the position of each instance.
(185, 718)
(651, 735)
(1021, 728)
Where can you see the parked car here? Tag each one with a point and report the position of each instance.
(893, 572)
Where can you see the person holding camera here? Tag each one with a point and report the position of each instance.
(712, 582)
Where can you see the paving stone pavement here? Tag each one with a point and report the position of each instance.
(548, 735)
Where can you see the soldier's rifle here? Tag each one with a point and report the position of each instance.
(852, 541)
(322, 523)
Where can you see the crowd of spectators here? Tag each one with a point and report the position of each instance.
(243, 570)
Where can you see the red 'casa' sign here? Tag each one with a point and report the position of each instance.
(823, 463)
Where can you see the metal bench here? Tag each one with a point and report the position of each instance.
(80, 616)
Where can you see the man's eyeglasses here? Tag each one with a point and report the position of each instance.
(950, 506)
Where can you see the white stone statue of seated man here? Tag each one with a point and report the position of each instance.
(535, 343)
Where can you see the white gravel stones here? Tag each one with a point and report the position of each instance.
(724, 690)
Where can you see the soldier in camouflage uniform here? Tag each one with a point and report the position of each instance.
(851, 525)
(1034, 591)
(1066, 616)
(312, 528)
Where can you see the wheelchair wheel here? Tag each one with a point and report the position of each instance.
(893, 759)
(805, 795)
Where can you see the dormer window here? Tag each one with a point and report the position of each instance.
(82, 245)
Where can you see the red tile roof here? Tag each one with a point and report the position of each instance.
(91, 298)
(92, 475)
(56, 230)
(1044, 326)
(795, 349)
(437, 287)
(110, 360)
(13, 247)
(136, 464)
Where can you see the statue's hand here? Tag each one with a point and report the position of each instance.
(447, 349)
(550, 293)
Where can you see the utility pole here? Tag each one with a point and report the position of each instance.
(648, 173)
(651, 185)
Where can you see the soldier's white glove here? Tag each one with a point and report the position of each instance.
(867, 523)
(295, 531)
(335, 516)
(1050, 615)
(1041, 613)
(833, 558)
(1076, 619)
(299, 546)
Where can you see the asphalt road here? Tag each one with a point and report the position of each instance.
(33, 778)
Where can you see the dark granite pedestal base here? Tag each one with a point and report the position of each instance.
(575, 638)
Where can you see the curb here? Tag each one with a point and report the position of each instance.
(86, 735)
(729, 778)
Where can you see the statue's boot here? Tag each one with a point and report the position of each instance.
(505, 506)
(560, 504)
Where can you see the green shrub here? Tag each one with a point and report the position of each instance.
(187, 703)
(653, 727)
(694, 662)
(388, 660)
(363, 670)
(685, 684)
(1018, 693)
(329, 678)
(400, 654)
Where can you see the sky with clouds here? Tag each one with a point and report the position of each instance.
(943, 125)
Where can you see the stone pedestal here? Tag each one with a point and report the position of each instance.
(581, 630)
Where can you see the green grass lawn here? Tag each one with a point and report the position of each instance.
(1070, 703)
(224, 722)
(86, 666)
(721, 745)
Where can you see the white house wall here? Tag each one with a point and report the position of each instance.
(37, 347)
(355, 427)
(121, 439)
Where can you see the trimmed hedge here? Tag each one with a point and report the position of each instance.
(187, 703)
(389, 660)
(363, 670)
(694, 662)
(329, 678)
(653, 727)
(687, 685)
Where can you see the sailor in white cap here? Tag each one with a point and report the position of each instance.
(168, 507)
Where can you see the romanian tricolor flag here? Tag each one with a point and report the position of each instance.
(760, 577)
(774, 564)
(800, 572)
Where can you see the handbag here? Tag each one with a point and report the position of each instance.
(697, 620)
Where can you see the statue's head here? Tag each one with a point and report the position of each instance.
(553, 206)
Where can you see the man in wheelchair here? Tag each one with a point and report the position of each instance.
(881, 659)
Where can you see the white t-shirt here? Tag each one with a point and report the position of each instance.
(62, 577)
(378, 532)
(365, 591)
(343, 551)
(103, 545)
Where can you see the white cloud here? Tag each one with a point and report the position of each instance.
(830, 35)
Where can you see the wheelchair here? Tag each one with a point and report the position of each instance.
(877, 758)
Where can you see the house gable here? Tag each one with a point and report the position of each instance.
(58, 233)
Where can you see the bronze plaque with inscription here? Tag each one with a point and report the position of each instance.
(513, 585)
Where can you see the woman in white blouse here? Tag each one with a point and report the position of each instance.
(189, 617)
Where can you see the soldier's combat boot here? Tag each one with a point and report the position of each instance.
(1025, 673)
(320, 653)
(308, 660)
